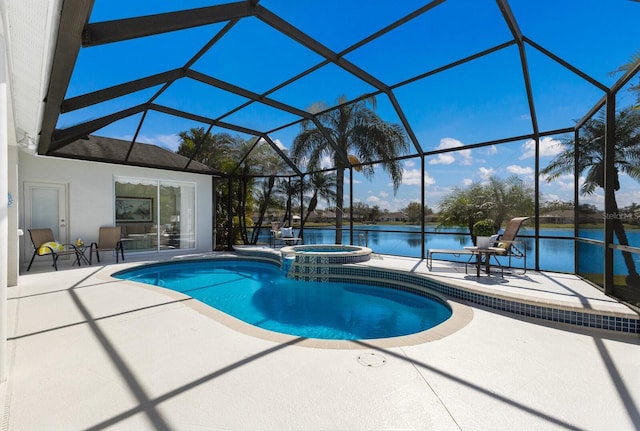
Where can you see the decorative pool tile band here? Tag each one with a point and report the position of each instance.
(391, 278)
(328, 260)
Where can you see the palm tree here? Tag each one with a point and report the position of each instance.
(210, 149)
(323, 186)
(264, 198)
(591, 150)
(635, 59)
(216, 151)
(360, 136)
(289, 191)
(260, 160)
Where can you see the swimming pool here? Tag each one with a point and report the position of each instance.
(259, 293)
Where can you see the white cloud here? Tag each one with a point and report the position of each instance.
(449, 158)
(168, 141)
(323, 203)
(549, 147)
(326, 162)
(568, 186)
(411, 177)
(485, 173)
(375, 200)
(442, 159)
(565, 182)
(559, 189)
(467, 181)
(409, 163)
(279, 144)
(520, 170)
(449, 143)
(627, 198)
(562, 178)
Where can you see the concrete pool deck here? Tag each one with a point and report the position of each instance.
(88, 352)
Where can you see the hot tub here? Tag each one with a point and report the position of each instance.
(327, 253)
(314, 262)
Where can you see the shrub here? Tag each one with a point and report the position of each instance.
(483, 228)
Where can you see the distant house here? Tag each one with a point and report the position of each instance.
(328, 216)
(431, 218)
(398, 216)
(558, 217)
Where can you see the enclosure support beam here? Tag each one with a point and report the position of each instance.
(609, 191)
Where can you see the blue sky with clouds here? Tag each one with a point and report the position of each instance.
(476, 102)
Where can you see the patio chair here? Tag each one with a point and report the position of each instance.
(108, 240)
(44, 244)
(507, 242)
(286, 235)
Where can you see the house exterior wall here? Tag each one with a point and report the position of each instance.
(91, 195)
(4, 210)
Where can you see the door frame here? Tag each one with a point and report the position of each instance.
(63, 212)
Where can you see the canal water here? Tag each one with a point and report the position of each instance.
(556, 254)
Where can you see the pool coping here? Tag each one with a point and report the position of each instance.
(461, 314)
(608, 317)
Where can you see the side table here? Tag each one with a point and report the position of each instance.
(80, 254)
(488, 253)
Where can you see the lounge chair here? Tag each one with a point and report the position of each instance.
(44, 244)
(456, 253)
(506, 241)
(286, 235)
(108, 240)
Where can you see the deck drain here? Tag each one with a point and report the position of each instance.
(371, 360)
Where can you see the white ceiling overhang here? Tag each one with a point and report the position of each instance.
(30, 30)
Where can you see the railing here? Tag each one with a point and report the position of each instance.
(556, 252)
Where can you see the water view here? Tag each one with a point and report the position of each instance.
(556, 254)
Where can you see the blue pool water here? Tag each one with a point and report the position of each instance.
(259, 293)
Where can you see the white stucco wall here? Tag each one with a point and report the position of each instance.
(4, 212)
(91, 195)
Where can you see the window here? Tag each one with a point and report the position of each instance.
(155, 214)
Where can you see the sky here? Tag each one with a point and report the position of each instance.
(479, 101)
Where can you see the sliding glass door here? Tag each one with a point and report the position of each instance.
(155, 214)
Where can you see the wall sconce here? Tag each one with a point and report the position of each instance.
(28, 143)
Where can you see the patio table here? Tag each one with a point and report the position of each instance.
(487, 253)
